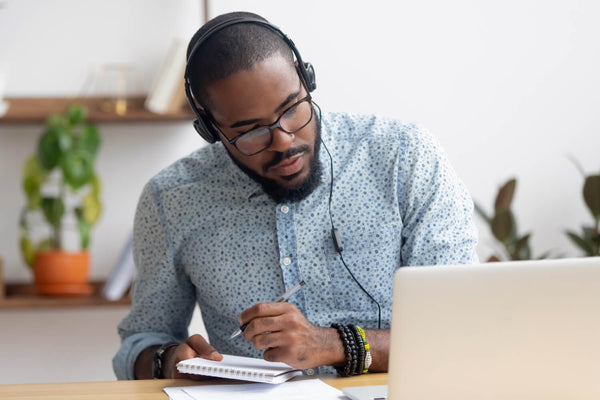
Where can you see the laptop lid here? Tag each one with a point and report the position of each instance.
(506, 330)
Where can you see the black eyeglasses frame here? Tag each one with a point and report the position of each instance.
(270, 128)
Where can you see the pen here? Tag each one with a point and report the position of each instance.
(281, 299)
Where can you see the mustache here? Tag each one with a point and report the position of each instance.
(287, 154)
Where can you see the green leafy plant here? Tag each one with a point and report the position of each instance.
(59, 178)
(589, 240)
(504, 226)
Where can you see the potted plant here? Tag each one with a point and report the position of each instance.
(589, 240)
(63, 192)
(504, 226)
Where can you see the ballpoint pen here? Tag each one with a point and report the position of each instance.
(281, 299)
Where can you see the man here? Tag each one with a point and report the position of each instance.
(284, 194)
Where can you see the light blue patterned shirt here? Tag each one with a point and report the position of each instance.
(206, 233)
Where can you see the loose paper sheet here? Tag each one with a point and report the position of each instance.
(294, 390)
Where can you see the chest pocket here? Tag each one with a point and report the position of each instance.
(371, 255)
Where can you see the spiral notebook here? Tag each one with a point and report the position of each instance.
(243, 368)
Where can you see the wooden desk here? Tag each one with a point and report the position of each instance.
(138, 390)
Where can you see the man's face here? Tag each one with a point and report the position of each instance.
(251, 98)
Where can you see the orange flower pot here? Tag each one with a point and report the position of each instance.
(62, 273)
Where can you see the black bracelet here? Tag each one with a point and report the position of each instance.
(345, 370)
(158, 360)
(350, 350)
(361, 349)
(354, 349)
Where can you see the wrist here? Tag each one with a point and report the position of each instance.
(356, 349)
(332, 352)
(159, 359)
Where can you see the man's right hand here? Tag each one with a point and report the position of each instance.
(194, 346)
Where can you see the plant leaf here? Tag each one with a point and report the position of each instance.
(89, 140)
(76, 114)
(27, 250)
(96, 186)
(503, 225)
(482, 213)
(84, 231)
(581, 243)
(591, 194)
(505, 195)
(522, 249)
(92, 208)
(56, 121)
(49, 149)
(77, 168)
(53, 208)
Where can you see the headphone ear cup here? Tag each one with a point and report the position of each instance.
(309, 73)
(206, 130)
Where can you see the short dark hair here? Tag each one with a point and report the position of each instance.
(231, 49)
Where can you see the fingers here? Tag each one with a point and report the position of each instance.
(270, 317)
(194, 346)
(202, 348)
(265, 310)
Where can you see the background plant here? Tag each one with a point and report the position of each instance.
(59, 178)
(504, 226)
(589, 240)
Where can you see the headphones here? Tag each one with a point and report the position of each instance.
(203, 123)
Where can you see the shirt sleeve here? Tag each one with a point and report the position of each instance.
(163, 296)
(437, 209)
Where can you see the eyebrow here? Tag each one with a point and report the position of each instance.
(284, 103)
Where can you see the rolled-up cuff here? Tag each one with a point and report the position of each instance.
(131, 347)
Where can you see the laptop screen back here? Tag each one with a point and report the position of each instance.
(508, 330)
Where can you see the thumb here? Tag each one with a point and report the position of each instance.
(203, 348)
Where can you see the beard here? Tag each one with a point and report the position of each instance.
(290, 194)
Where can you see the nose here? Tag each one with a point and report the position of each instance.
(282, 140)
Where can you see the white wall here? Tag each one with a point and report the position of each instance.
(510, 88)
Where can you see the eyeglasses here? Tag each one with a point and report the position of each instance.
(294, 118)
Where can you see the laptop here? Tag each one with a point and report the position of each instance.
(506, 330)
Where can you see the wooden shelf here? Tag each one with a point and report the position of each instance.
(23, 296)
(33, 110)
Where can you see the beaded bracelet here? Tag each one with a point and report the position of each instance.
(361, 349)
(368, 356)
(350, 350)
(355, 352)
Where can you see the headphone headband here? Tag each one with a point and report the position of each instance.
(203, 124)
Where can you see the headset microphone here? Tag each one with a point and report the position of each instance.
(337, 240)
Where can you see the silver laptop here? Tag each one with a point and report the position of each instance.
(509, 330)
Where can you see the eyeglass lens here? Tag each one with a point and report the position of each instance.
(292, 120)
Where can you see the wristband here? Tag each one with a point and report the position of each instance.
(353, 350)
(368, 356)
(158, 360)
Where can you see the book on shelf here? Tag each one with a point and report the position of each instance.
(122, 274)
(242, 368)
(167, 93)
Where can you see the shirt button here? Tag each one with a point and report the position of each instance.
(286, 261)
(310, 371)
(285, 209)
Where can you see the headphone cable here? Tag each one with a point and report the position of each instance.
(336, 238)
